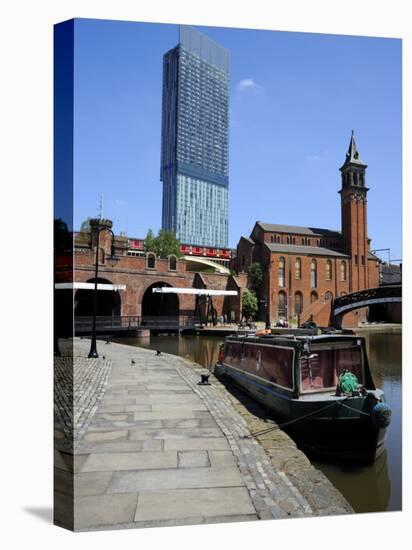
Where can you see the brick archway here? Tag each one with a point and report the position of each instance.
(108, 301)
(159, 305)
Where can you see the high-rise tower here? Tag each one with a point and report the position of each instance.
(195, 140)
(354, 206)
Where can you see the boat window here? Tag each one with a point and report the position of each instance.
(321, 369)
(277, 364)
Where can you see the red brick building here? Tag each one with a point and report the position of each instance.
(306, 267)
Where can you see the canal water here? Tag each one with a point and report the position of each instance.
(372, 488)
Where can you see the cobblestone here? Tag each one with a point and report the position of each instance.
(79, 386)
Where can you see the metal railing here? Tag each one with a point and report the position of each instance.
(370, 294)
(131, 322)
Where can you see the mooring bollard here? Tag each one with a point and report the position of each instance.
(204, 380)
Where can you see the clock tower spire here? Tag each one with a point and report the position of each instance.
(354, 220)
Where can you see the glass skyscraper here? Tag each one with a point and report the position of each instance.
(195, 140)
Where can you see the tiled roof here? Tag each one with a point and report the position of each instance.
(305, 250)
(313, 231)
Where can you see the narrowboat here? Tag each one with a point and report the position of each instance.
(319, 389)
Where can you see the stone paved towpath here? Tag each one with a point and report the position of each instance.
(162, 450)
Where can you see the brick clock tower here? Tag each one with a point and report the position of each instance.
(354, 226)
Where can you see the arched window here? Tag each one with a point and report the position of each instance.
(281, 271)
(303, 240)
(151, 261)
(328, 295)
(313, 296)
(298, 268)
(172, 263)
(313, 274)
(298, 303)
(282, 307)
(293, 240)
(328, 270)
(278, 238)
(343, 271)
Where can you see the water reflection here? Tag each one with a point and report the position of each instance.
(200, 349)
(367, 488)
(372, 488)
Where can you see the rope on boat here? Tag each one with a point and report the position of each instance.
(279, 426)
(289, 422)
(356, 410)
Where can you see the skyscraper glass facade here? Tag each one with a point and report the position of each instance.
(195, 140)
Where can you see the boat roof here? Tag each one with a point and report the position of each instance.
(274, 338)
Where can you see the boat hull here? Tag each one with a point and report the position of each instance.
(323, 426)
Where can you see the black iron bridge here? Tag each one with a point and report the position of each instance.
(130, 324)
(364, 298)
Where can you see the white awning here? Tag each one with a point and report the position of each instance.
(88, 286)
(196, 291)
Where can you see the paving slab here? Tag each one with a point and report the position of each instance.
(115, 416)
(141, 407)
(182, 407)
(174, 433)
(193, 459)
(106, 436)
(183, 423)
(165, 415)
(219, 459)
(90, 447)
(92, 483)
(209, 443)
(130, 461)
(92, 511)
(166, 387)
(183, 478)
(171, 398)
(104, 426)
(188, 503)
(120, 401)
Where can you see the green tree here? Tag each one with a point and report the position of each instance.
(163, 245)
(149, 245)
(256, 275)
(249, 303)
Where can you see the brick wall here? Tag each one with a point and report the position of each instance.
(292, 285)
(134, 273)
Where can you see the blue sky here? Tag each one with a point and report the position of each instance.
(294, 99)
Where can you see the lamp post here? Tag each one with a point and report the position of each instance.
(265, 303)
(113, 260)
